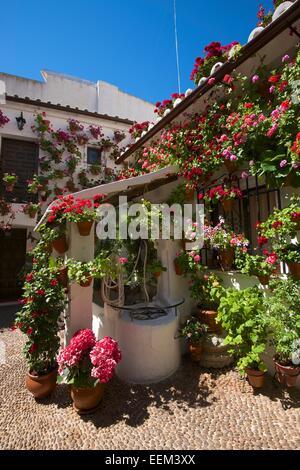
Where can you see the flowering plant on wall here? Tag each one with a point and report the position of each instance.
(215, 52)
(3, 119)
(138, 128)
(161, 107)
(220, 237)
(220, 193)
(42, 304)
(86, 362)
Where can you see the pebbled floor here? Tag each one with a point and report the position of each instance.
(194, 409)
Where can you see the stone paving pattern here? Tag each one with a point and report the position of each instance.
(196, 408)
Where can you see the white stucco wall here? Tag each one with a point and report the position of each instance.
(100, 97)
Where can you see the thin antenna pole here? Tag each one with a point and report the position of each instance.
(176, 45)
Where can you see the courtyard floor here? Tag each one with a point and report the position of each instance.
(193, 409)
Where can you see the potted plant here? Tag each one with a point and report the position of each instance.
(55, 236)
(82, 213)
(31, 209)
(224, 194)
(194, 331)
(257, 265)
(119, 136)
(290, 254)
(60, 269)
(207, 290)
(283, 308)
(5, 207)
(156, 268)
(187, 262)
(81, 272)
(42, 305)
(242, 315)
(221, 238)
(10, 180)
(86, 365)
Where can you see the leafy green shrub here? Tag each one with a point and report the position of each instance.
(242, 315)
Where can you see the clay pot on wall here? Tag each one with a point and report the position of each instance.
(41, 386)
(86, 283)
(264, 280)
(177, 268)
(226, 258)
(84, 228)
(294, 269)
(255, 32)
(228, 205)
(60, 245)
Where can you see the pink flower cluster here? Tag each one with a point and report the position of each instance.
(82, 341)
(104, 357)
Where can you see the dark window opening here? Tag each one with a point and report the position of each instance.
(93, 156)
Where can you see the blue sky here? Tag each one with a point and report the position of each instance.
(129, 43)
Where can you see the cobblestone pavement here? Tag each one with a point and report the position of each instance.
(193, 409)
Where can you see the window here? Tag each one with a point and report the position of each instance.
(257, 203)
(93, 156)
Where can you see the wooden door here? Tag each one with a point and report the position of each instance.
(12, 260)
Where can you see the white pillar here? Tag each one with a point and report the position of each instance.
(79, 311)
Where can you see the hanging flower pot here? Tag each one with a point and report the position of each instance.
(60, 245)
(256, 378)
(286, 375)
(86, 283)
(228, 205)
(178, 269)
(294, 269)
(226, 259)
(157, 274)
(264, 280)
(63, 276)
(87, 400)
(41, 386)
(196, 351)
(84, 228)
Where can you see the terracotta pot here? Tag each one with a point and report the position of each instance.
(43, 385)
(157, 274)
(63, 276)
(230, 166)
(178, 270)
(86, 283)
(196, 351)
(226, 259)
(287, 375)
(32, 214)
(228, 205)
(264, 280)
(294, 269)
(87, 400)
(208, 317)
(256, 377)
(84, 228)
(60, 245)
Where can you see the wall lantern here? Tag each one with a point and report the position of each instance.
(21, 121)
